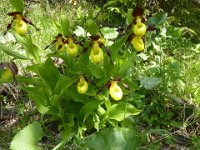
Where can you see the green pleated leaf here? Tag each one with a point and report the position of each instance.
(77, 97)
(31, 49)
(122, 110)
(39, 97)
(63, 84)
(92, 27)
(10, 52)
(126, 66)
(58, 26)
(96, 71)
(28, 80)
(33, 68)
(87, 109)
(28, 137)
(65, 26)
(113, 139)
(129, 18)
(108, 67)
(18, 5)
(90, 14)
(68, 84)
(49, 74)
(117, 46)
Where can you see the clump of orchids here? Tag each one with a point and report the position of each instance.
(20, 23)
(97, 47)
(114, 89)
(139, 29)
(68, 45)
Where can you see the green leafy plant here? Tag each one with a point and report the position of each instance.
(83, 82)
